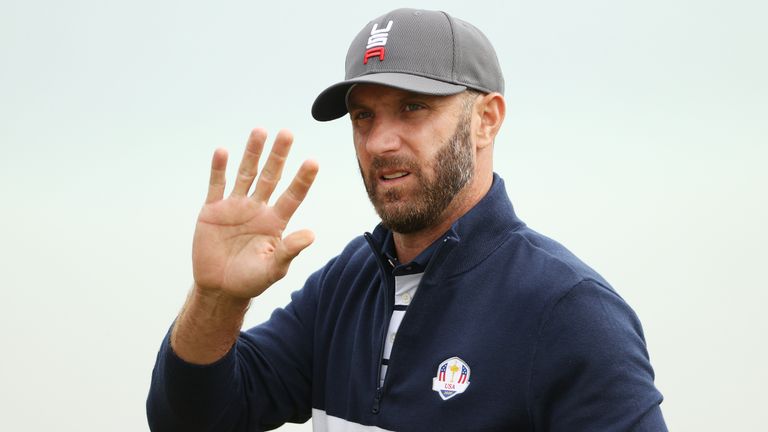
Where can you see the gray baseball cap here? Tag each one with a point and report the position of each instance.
(421, 51)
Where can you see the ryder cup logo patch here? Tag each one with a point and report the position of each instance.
(452, 378)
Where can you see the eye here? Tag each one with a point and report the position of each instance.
(413, 107)
(361, 115)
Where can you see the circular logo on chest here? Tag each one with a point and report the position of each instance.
(452, 378)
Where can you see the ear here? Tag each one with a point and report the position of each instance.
(491, 109)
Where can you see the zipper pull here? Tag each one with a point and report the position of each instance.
(377, 402)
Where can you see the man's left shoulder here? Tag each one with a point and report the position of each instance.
(532, 261)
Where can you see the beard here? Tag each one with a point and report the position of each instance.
(453, 168)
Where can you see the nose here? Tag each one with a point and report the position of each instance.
(383, 137)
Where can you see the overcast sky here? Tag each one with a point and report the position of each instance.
(636, 135)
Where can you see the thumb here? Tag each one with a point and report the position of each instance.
(292, 245)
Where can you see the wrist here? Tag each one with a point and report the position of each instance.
(218, 300)
(208, 325)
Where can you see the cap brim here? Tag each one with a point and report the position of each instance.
(331, 103)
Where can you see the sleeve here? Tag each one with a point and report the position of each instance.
(591, 370)
(263, 382)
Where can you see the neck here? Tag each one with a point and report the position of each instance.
(409, 246)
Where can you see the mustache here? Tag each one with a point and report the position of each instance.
(383, 162)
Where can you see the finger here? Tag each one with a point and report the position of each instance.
(290, 247)
(250, 163)
(273, 168)
(218, 178)
(290, 200)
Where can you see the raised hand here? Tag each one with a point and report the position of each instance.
(239, 249)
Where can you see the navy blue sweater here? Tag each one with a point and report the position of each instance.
(550, 345)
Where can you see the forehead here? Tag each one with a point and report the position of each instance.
(364, 94)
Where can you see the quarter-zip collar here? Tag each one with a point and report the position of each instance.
(417, 265)
(487, 237)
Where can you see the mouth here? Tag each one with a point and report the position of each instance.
(394, 175)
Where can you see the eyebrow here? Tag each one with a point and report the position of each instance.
(352, 104)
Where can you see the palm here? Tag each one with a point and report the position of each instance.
(239, 247)
(234, 246)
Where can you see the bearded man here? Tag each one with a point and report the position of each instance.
(451, 315)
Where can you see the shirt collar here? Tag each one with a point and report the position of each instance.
(418, 265)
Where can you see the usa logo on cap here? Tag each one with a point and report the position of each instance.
(376, 42)
(452, 378)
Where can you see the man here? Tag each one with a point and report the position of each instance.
(451, 315)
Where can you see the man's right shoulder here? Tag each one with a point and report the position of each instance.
(353, 258)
